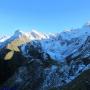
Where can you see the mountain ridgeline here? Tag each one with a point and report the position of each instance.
(38, 61)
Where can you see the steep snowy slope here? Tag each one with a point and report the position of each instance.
(3, 38)
(55, 45)
(22, 37)
(38, 61)
(61, 45)
(71, 49)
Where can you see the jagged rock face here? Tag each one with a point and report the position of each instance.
(27, 77)
(8, 67)
(82, 82)
(20, 70)
(82, 54)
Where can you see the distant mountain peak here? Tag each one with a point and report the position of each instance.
(37, 35)
(34, 31)
(19, 32)
(87, 24)
(3, 38)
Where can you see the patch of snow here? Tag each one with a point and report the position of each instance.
(4, 38)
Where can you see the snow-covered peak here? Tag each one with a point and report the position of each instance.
(87, 24)
(37, 35)
(33, 35)
(65, 35)
(3, 38)
(35, 32)
(18, 33)
(56, 44)
(75, 33)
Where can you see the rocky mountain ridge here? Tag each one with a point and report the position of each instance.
(38, 61)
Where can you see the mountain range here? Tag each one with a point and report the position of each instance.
(39, 61)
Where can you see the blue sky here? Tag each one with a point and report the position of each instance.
(42, 15)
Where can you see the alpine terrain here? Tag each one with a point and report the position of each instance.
(39, 61)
